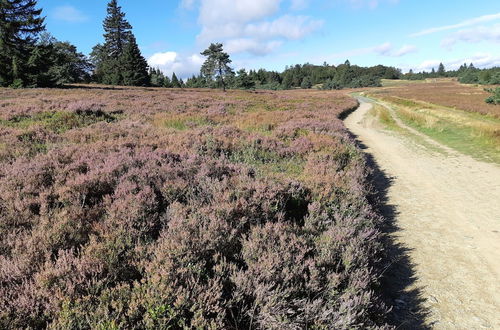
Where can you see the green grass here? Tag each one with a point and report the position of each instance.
(469, 133)
(182, 124)
(58, 121)
(268, 162)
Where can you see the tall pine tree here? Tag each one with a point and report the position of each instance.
(117, 30)
(175, 81)
(20, 24)
(119, 61)
(134, 68)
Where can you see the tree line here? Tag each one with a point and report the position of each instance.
(466, 74)
(31, 57)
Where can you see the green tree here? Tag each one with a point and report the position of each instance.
(441, 70)
(243, 80)
(65, 63)
(167, 83)
(217, 64)
(175, 81)
(306, 83)
(156, 77)
(134, 68)
(20, 25)
(107, 57)
(117, 30)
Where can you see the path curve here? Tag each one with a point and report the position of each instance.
(448, 215)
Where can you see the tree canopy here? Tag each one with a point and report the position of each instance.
(216, 66)
(20, 26)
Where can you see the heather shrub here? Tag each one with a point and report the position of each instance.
(184, 209)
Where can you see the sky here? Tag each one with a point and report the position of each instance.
(271, 34)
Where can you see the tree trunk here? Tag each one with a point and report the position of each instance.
(222, 79)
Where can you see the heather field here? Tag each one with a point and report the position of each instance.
(157, 208)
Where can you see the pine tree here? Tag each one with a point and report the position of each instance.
(175, 81)
(117, 32)
(441, 70)
(217, 64)
(306, 83)
(134, 68)
(20, 24)
(119, 61)
(167, 83)
(244, 81)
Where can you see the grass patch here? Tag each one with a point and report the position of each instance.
(268, 162)
(183, 122)
(470, 133)
(59, 121)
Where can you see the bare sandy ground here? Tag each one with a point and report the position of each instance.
(447, 210)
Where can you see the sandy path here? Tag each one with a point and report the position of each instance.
(447, 210)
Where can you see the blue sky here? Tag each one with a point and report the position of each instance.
(271, 34)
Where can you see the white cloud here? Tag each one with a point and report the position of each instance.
(187, 4)
(299, 4)
(385, 49)
(469, 22)
(473, 35)
(241, 11)
(406, 49)
(287, 26)
(250, 25)
(68, 14)
(170, 62)
(480, 60)
(159, 59)
(368, 3)
(251, 46)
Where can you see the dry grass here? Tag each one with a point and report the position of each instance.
(443, 92)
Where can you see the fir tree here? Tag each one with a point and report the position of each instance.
(441, 70)
(134, 68)
(117, 30)
(244, 81)
(175, 81)
(20, 24)
(167, 83)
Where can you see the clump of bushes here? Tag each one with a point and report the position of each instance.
(495, 97)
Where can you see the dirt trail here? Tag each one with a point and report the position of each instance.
(447, 210)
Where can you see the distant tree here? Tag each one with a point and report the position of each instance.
(167, 83)
(495, 97)
(134, 68)
(217, 64)
(156, 77)
(469, 77)
(441, 70)
(175, 81)
(20, 25)
(243, 80)
(306, 83)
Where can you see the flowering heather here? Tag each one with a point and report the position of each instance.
(156, 208)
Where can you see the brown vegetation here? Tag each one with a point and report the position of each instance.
(444, 92)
